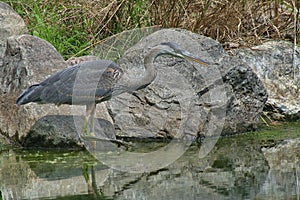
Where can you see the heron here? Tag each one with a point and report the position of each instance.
(98, 81)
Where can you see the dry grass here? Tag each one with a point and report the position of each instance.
(245, 22)
(248, 22)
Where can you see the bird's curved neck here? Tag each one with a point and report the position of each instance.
(149, 75)
(150, 71)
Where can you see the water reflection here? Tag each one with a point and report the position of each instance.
(233, 170)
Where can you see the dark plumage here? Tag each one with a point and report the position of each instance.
(59, 87)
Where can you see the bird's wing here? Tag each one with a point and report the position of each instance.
(58, 87)
(81, 83)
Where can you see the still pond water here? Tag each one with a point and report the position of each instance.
(236, 168)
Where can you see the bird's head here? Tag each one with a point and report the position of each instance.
(174, 49)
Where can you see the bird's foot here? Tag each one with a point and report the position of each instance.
(88, 137)
(81, 142)
(85, 133)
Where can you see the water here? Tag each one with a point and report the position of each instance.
(236, 168)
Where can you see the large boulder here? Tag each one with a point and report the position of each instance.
(187, 98)
(277, 65)
(27, 60)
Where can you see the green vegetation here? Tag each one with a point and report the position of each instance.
(75, 26)
(279, 132)
(267, 135)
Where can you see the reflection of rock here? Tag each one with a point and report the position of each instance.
(233, 170)
(186, 95)
(273, 63)
(14, 172)
(285, 156)
(284, 174)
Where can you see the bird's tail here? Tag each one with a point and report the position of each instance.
(32, 94)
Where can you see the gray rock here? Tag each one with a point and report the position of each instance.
(187, 98)
(273, 63)
(6, 143)
(77, 60)
(10, 24)
(27, 60)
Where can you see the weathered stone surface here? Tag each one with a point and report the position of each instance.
(185, 96)
(10, 24)
(27, 60)
(77, 60)
(273, 63)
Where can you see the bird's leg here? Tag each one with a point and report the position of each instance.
(90, 109)
(85, 126)
(90, 112)
(92, 130)
(84, 131)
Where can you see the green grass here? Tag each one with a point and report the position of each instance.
(263, 137)
(43, 20)
(68, 44)
(285, 130)
(270, 135)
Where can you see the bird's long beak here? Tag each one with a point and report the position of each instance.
(194, 58)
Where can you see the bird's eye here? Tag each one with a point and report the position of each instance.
(116, 73)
